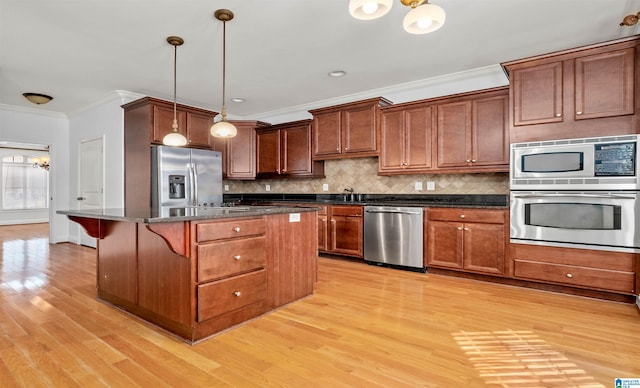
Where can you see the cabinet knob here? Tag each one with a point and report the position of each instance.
(236, 229)
(338, 149)
(237, 293)
(237, 257)
(558, 114)
(346, 148)
(473, 160)
(459, 227)
(578, 113)
(468, 160)
(462, 215)
(569, 275)
(465, 228)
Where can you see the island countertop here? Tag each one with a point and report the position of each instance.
(174, 214)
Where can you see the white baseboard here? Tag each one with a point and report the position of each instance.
(20, 222)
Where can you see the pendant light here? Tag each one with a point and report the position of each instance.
(174, 138)
(422, 19)
(223, 128)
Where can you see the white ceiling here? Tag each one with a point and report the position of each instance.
(278, 52)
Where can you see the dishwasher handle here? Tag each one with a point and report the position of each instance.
(394, 211)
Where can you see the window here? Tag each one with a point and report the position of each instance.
(23, 186)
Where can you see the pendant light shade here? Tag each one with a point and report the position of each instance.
(424, 18)
(174, 138)
(223, 128)
(369, 9)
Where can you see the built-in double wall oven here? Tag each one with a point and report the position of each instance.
(580, 193)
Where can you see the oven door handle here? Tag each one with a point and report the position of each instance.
(611, 196)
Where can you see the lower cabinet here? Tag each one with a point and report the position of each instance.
(472, 240)
(340, 230)
(582, 268)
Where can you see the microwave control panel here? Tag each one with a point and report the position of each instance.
(615, 159)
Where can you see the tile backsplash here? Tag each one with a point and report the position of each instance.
(361, 175)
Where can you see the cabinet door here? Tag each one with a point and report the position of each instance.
(418, 127)
(454, 134)
(198, 127)
(490, 135)
(444, 244)
(392, 141)
(537, 94)
(605, 84)
(117, 266)
(326, 134)
(268, 151)
(323, 233)
(241, 154)
(346, 235)
(163, 122)
(484, 246)
(359, 130)
(296, 150)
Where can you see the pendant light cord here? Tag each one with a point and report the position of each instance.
(224, 69)
(175, 64)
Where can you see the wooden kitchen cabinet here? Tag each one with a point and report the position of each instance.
(347, 130)
(471, 240)
(582, 268)
(146, 121)
(239, 152)
(340, 230)
(472, 132)
(284, 150)
(584, 92)
(406, 139)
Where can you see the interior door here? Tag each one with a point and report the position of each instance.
(91, 180)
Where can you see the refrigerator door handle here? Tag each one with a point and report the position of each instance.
(190, 196)
(194, 172)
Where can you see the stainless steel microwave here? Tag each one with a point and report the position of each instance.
(599, 163)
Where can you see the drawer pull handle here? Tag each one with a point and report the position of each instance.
(237, 229)
(237, 293)
(578, 112)
(237, 257)
(569, 275)
(462, 216)
(558, 114)
(459, 227)
(466, 228)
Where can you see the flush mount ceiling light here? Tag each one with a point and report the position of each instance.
(337, 73)
(174, 138)
(422, 19)
(223, 128)
(630, 20)
(37, 98)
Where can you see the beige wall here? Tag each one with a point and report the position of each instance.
(361, 175)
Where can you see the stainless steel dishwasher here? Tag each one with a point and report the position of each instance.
(393, 236)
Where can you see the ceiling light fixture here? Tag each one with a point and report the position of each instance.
(223, 128)
(174, 138)
(337, 73)
(630, 20)
(422, 19)
(42, 162)
(37, 98)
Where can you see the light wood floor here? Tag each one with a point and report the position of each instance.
(365, 326)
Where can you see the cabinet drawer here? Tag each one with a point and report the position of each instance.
(230, 294)
(347, 211)
(467, 215)
(222, 259)
(603, 279)
(230, 229)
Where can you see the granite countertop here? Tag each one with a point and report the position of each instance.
(174, 214)
(480, 201)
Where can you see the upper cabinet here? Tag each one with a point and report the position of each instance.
(348, 130)
(193, 123)
(239, 152)
(465, 132)
(583, 92)
(284, 151)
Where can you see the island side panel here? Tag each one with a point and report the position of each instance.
(164, 279)
(292, 259)
(117, 262)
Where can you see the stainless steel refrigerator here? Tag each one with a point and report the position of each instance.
(185, 177)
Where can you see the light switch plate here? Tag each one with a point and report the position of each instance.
(226, 187)
(431, 185)
(418, 186)
(294, 217)
(267, 187)
(325, 187)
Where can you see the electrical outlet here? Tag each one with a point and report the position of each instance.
(418, 186)
(226, 187)
(267, 187)
(325, 187)
(431, 185)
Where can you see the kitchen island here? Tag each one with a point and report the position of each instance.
(195, 271)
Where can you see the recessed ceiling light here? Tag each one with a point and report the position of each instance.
(337, 73)
(237, 99)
